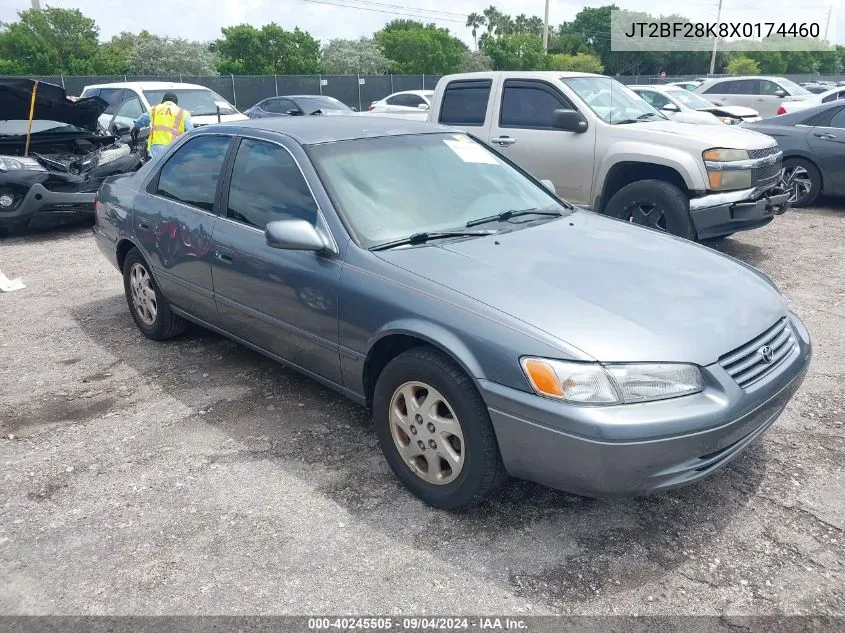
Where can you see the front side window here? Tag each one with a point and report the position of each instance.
(529, 105)
(114, 97)
(278, 106)
(389, 188)
(838, 119)
(267, 185)
(191, 174)
(769, 88)
(612, 102)
(130, 109)
(465, 102)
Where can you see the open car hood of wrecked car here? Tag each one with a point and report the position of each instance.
(51, 103)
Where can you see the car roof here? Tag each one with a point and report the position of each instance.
(149, 85)
(314, 130)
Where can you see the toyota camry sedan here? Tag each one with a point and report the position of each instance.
(492, 329)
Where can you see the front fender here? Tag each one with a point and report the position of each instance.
(690, 166)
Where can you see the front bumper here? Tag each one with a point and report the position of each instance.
(635, 449)
(40, 201)
(721, 214)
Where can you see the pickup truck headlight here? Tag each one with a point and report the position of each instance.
(592, 383)
(12, 163)
(720, 175)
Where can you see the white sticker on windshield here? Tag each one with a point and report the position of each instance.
(471, 152)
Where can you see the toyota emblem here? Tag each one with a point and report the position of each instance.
(766, 353)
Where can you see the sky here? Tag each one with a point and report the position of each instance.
(203, 19)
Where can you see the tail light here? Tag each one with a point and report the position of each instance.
(781, 110)
(371, 108)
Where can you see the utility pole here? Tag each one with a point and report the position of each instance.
(546, 29)
(827, 26)
(715, 40)
(36, 5)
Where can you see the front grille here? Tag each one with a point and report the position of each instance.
(762, 153)
(746, 364)
(765, 175)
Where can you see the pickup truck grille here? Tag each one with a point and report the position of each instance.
(766, 175)
(762, 153)
(747, 364)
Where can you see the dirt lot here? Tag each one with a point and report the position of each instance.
(197, 477)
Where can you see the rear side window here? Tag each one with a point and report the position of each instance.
(465, 102)
(407, 100)
(822, 119)
(190, 176)
(530, 104)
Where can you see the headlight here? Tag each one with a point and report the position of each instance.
(728, 120)
(10, 163)
(725, 155)
(591, 383)
(728, 180)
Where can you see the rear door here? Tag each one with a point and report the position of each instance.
(174, 219)
(283, 301)
(466, 104)
(737, 92)
(768, 100)
(521, 129)
(827, 141)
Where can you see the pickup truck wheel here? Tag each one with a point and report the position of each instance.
(149, 308)
(653, 203)
(803, 180)
(435, 430)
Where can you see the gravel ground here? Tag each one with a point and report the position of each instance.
(196, 477)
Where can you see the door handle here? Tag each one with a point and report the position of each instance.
(223, 257)
(143, 226)
(827, 137)
(504, 141)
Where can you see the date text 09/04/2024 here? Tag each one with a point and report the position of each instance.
(417, 623)
(721, 29)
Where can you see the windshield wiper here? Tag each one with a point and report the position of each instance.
(512, 213)
(647, 115)
(642, 117)
(422, 238)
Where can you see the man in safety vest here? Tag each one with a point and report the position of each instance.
(167, 122)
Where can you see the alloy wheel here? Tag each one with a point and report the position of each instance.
(427, 433)
(143, 294)
(797, 180)
(647, 214)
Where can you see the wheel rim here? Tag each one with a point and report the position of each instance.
(143, 294)
(797, 180)
(427, 433)
(646, 214)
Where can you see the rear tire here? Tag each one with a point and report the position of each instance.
(435, 430)
(149, 308)
(655, 204)
(804, 179)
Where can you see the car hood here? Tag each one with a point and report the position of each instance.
(692, 116)
(706, 136)
(614, 291)
(51, 103)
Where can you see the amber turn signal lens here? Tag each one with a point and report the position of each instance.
(543, 378)
(715, 179)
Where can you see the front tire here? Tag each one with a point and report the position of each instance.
(655, 204)
(149, 308)
(435, 430)
(803, 180)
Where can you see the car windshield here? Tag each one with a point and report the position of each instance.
(689, 99)
(612, 102)
(390, 188)
(18, 127)
(197, 101)
(312, 104)
(793, 88)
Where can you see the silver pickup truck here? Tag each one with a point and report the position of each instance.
(606, 148)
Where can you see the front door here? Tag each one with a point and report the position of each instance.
(174, 220)
(283, 301)
(522, 130)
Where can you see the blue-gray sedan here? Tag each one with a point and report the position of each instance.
(491, 328)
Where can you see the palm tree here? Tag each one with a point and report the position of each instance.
(520, 24)
(474, 22)
(493, 15)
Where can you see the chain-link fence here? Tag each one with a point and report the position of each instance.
(244, 91)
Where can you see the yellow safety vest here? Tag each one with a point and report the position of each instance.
(167, 122)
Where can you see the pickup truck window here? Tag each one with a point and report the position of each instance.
(465, 102)
(530, 104)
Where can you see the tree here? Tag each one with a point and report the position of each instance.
(742, 65)
(113, 57)
(155, 55)
(270, 50)
(416, 49)
(770, 62)
(493, 16)
(475, 61)
(579, 62)
(51, 41)
(348, 57)
(516, 52)
(475, 22)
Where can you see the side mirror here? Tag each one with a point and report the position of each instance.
(294, 113)
(294, 235)
(354, 109)
(120, 128)
(423, 107)
(548, 184)
(569, 121)
(780, 93)
(670, 107)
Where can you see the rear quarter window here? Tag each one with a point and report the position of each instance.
(465, 102)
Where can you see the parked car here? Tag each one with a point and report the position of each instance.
(817, 87)
(128, 100)
(604, 147)
(682, 105)
(403, 102)
(686, 85)
(68, 154)
(813, 146)
(491, 328)
(764, 94)
(297, 105)
(817, 99)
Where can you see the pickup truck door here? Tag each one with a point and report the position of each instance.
(521, 129)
